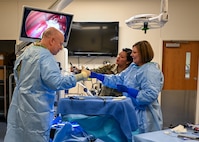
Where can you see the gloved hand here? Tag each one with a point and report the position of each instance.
(131, 91)
(86, 73)
(122, 88)
(83, 75)
(99, 76)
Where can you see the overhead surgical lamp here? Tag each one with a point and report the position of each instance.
(150, 21)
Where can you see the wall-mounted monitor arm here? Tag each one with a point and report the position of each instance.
(58, 5)
(150, 21)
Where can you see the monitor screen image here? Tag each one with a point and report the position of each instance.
(35, 21)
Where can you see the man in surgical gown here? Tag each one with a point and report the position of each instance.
(142, 81)
(37, 77)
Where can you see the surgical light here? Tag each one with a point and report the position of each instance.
(149, 21)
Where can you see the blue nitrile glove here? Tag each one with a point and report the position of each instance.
(99, 76)
(131, 91)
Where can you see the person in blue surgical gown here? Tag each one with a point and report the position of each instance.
(142, 81)
(37, 77)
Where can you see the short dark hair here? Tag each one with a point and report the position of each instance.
(128, 54)
(145, 50)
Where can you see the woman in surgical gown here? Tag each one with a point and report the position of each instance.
(37, 77)
(142, 81)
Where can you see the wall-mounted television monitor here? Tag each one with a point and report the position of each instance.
(94, 39)
(35, 21)
(7, 49)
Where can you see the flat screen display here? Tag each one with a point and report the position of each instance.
(35, 21)
(94, 39)
(7, 49)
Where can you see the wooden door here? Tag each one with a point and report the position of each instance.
(179, 92)
(174, 62)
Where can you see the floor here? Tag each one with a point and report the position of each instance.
(2, 129)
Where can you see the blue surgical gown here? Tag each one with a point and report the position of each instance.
(148, 79)
(31, 111)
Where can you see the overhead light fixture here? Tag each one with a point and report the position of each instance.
(150, 21)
